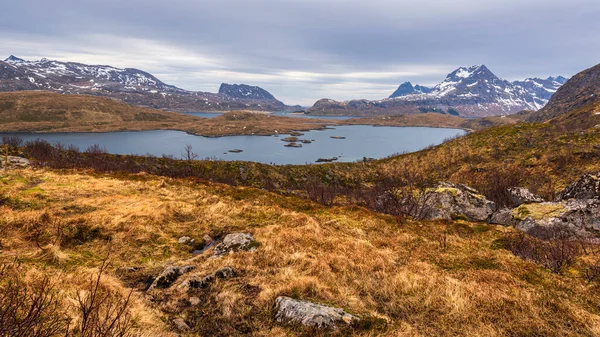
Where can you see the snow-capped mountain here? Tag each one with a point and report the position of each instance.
(468, 91)
(130, 85)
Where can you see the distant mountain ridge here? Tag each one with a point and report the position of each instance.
(128, 84)
(244, 91)
(468, 91)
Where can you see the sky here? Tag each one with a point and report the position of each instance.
(302, 51)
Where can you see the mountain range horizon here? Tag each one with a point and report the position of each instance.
(406, 89)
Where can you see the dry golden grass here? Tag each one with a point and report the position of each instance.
(398, 277)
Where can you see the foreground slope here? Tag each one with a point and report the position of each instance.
(408, 279)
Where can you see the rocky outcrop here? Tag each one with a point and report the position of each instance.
(451, 201)
(587, 187)
(204, 281)
(502, 217)
(169, 276)
(14, 162)
(521, 195)
(583, 216)
(289, 310)
(235, 242)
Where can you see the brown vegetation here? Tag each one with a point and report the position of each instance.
(411, 278)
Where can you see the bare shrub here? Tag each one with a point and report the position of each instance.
(29, 309)
(12, 141)
(555, 248)
(103, 312)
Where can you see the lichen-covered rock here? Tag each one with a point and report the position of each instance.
(235, 242)
(169, 276)
(587, 187)
(289, 310)
(582, 216)
(521, 195)
(501, 217)
(450, 201)
(196, 281)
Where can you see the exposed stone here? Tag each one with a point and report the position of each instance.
(587, 187)
(184, 240)
(194, 301)
(289, 310)
(235, 242)
(14, 161)
(169, 276)
(501, 217)
(521, 195)
(450, 201)
(181, 325)
(196, 281)
(581, 215)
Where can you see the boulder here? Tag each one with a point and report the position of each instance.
(203, 282)
(501, 217)
(587, 187)
(450, 201)
(583, 216)
(521, 195)
(289, 310)
(235, 242)
(169, 276)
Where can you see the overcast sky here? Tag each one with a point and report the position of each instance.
(304, 50)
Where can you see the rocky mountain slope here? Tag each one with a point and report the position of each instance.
(580, 94)
(130, 85)
(244, 91)
(467, 91)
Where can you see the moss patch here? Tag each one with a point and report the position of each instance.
(538, 211)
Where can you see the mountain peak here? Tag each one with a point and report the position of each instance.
(473, 72)
(407, 88)
(244, 91)
(14, 59)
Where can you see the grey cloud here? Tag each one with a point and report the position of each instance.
(305, 50)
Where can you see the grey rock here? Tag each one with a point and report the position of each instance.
(235, 242)
(449, 201)
(204, 281)
(14, 162)
(169, 276)
(184, 240)
(587, 187)
(583, 216)
(181, 325)
(501, 217)
(289, 310)
(521, 195)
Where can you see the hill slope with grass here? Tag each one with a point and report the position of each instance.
(409, 278)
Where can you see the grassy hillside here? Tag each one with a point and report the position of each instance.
(402, 279)
(35, 111)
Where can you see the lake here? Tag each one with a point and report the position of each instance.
(284, 114)
(360, 141)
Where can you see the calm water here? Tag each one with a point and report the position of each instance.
(361, 141)
(286, 114)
